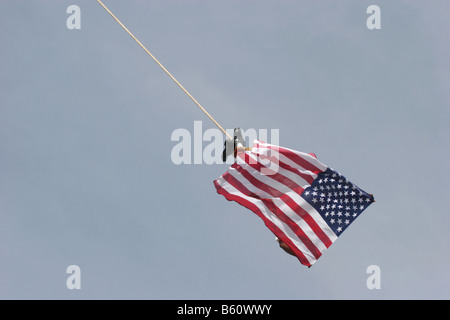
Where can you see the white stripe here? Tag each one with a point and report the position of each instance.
(266, 179)
(285, 208)
(315, 215)
(283, 159)
(301, 223)
(295, 197)
(291, 214)
(272, 217)
(275, 167)
(300, 201)
(309, 158)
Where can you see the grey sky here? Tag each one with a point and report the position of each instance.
(86, 118)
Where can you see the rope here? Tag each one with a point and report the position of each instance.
(165, 70)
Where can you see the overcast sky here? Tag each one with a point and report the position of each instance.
(86, 118)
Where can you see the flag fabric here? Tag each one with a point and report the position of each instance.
(306, 204)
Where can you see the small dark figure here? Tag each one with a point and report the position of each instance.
(230, 147)
(285, 247)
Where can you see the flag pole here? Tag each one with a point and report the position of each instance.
(165, 70)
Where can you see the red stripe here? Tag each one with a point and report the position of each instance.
(288, 200)
(294, 227)
(264, 187)
(307, 177)
(295, 158)
(272, 227)
(278, 213)
(308, 219)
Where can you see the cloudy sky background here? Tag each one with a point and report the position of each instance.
(86, 117)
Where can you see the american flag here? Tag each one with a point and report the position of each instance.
(306, 204)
